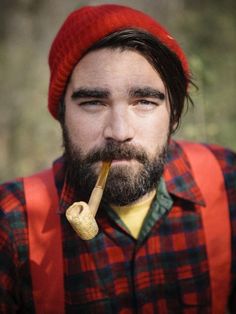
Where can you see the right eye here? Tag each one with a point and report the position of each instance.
(92, 105)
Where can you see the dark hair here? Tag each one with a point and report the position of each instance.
(165, 62)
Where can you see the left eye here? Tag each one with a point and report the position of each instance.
(146, 104)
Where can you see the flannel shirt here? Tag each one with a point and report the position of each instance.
(164, 271)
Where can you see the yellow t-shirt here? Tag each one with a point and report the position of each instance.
(133, 215)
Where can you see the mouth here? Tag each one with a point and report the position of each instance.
(120, 162)
(123, 162)
(115, 161)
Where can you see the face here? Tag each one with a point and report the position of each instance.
(116, 107)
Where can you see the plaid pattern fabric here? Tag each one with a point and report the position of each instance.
(164, 271)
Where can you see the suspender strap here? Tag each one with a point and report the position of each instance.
(45, 243)
(216, 221)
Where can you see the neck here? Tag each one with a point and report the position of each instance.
(133, 214)
(143, 199)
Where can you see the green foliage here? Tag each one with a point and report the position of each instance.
(212, 53)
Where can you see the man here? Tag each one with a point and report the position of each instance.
(118, 87)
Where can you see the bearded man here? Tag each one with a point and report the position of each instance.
(167, 218)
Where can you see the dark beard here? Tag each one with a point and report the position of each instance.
(123, 185)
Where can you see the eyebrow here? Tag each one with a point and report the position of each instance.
(90, 93)
(146, 92)
(105, 93)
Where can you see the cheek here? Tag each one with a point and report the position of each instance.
(82, 133)
(156, 129)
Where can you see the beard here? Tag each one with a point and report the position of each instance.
(124, 183)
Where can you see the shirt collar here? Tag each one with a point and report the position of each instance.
(178, 177)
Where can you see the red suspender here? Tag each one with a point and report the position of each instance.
(45, 243)
(216, 221)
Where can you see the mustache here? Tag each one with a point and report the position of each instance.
(117, 151)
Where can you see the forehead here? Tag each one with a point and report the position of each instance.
(115, 68)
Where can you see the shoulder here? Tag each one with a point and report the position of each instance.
(227, 162)
(13, 221)
(198, 153)
(12, 207)
(11, 196)
(225, 157)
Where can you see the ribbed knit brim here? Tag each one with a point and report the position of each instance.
(86, 26)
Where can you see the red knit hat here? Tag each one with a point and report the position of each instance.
(86, 26)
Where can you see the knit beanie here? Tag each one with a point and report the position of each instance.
(86, 26)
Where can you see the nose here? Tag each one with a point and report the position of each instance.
(119, 126)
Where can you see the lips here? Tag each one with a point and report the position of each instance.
(122, 161)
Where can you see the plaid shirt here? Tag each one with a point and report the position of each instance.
(164, 271)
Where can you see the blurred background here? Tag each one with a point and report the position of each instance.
(30, 139)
